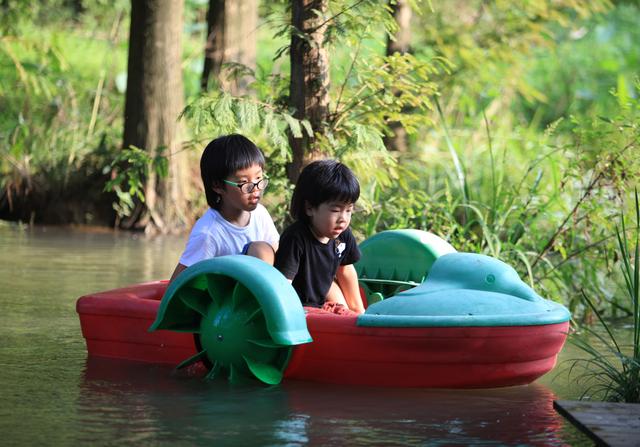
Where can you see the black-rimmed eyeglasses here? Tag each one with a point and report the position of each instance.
(248, 187)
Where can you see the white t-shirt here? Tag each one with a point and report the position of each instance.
(213, 236)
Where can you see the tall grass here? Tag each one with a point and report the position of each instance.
(59, 119)
(611, 371)
(542, 202)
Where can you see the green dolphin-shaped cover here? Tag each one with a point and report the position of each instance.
(466, 289)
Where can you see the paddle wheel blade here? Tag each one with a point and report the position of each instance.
(254, 315)
(195, 299)
(265, 343)
(219, 288)
(193, 359)
(213, 373)
(241, 297)
(263, 371)
(235, 376)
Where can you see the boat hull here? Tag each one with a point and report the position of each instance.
(438, 357)
(115, 325)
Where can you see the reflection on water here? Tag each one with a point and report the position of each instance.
(153, 403)
(53, 395)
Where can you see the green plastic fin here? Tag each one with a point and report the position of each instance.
(374, 298)
(264, 372)
(253, 315)
(219, 287)
(193, 359)
(265, 343)
(235, 377)
(215, 370)
(241, 295)
(195, 299)
(187, 327)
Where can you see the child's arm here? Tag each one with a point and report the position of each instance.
(348, 281)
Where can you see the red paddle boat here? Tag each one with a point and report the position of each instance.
(435, 318)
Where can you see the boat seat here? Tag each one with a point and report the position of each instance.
(397, 260)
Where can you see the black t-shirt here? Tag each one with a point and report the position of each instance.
(311, 264)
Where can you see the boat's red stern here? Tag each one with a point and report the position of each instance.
(114, 324)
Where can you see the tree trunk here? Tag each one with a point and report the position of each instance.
(399, 44)
(154, 100)
(402, 38)
(231, 37)
(309, 87)
(214, 47)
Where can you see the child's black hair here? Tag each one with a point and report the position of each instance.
(323, 181)
(224, 156)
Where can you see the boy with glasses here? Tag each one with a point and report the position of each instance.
(235, 223)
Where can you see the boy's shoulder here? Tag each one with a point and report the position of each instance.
(205, 223)
(209, 216)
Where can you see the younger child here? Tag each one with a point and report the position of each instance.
(317, 252)
(232, 175)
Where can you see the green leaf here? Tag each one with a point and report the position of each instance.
(247, 115)
(307, 126)
(294, 125)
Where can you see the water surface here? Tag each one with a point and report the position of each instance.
(52, 394)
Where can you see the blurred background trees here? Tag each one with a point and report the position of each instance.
(231, 39)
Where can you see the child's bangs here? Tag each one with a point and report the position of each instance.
(348, 194)
(244, 156)
(341, 188)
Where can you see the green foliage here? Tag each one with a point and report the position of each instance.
(222, 113)
(61, 100)
(218, 113)
(372, 92)
(383, 89)
(542, 203)
(56, 120)
(489, 44)
(611, 370)
(130, 168)
(591, 59)
(601, 171)
(86, 13)
(492, 217)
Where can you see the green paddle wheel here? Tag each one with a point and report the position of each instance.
(245, 317)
